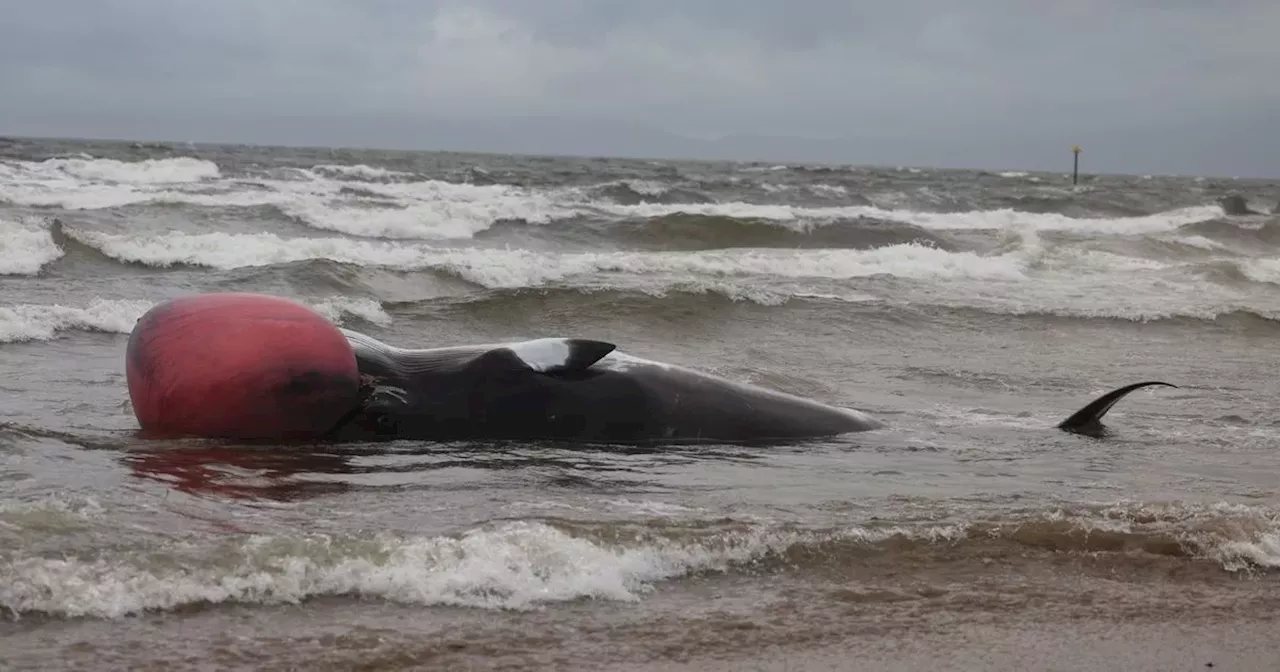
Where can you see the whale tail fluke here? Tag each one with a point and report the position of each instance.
(1088, 420)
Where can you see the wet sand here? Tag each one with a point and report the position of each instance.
(1183, 642)
(1188, 644)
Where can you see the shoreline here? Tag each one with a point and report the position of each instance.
(1072, 645)
(707, 628)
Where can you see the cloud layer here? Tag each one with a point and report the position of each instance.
(1145, 86)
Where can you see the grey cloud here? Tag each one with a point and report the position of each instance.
(1145, 86)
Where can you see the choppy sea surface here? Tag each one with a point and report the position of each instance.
(971, 311)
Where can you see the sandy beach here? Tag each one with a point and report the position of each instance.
(1185, 645)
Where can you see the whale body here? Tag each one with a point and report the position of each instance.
(587, 390)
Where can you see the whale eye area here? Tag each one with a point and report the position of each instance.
(385, 425)
(382, 408)
(378, 424)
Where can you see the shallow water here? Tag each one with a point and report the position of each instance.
(970, 311)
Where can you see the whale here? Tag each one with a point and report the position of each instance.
(570, 389)
(579, 389)
(260, 367)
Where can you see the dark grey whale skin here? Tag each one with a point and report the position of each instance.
(586, 391)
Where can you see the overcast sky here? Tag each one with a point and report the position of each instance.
(1145, 86)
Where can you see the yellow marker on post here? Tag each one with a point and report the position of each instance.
(1075, 168)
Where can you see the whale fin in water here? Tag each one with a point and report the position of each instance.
(1088, 420)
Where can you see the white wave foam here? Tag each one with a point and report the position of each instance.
(178, 170)
(336, 198)
(427, 209)
(1200, 242)
(1023, 276)
(804, 218)
(335, 309)
(407, 209)
(815, 189)
(360, 171)
(1237, 536)
(25, 249)
(1145, 309)
(829, 189)
(497, 268)
(1137, 295)
(522, 564)
(1261, 270)
(35, 322)
(85, 184)
(32, 322)
(227, 251)
(1261, 552)
(49, 514)
(729, 290)
(514, 565)
(642, 187)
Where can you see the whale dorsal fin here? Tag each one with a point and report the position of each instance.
(559, 355)
(551, 356)
(1088, 420)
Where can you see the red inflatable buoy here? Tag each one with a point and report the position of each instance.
(241, 366)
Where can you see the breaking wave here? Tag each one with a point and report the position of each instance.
(26, 247)
(375, 202)
(521, 564)
(35, 322)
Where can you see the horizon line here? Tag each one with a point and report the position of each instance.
(1066, 173)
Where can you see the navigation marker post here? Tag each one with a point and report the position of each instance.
(1075, 168)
